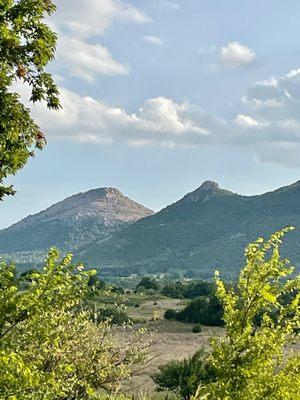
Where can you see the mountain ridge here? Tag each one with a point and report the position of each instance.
(206, 229)
(94, 212)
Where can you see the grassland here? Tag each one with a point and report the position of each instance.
(171, 340)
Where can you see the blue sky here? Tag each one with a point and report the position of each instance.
(160, 95)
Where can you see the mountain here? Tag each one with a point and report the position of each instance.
(207, 229)
(75, 221)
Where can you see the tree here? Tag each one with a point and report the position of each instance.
(196, 289)
(203, 310)
(170, 314)
(27, 44)
(50, 346)
(183, 376)
(253, 362)
(147, 283)
(174, 290)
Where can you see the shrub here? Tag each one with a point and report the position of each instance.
(28, 275)
(113, 315)
(251, 363)
(49, 347)
(117, 290)
(197, 328)
(197, 289)
(173, 290)
(202, 310)
(191, 290)
(96, 283)
(148, 283)
(184, 376)
(170, 314)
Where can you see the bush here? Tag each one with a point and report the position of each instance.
(29, 275)
(202, 310)
(179, 290)
(117, 290)
(114, 315)
(96, 283)
(170, 314)
(49, 346)
(252, 363)
(197, 328)
(184, 376)
(147, 283)
(173, 290)
(197, 289)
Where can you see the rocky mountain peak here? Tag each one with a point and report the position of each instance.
(205, 192)
(107, 206)
(209, 185)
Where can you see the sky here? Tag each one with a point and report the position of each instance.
(161, 95)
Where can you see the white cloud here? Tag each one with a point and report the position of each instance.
(272, 133)
(248, 122)
(160, 121)
(153, 40)
(86, 18)
(236, 55)
(78, 21)
(86, 60)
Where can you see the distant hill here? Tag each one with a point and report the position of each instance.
(207, 229)
(71, 223)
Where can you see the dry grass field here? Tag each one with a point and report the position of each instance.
(172, 340)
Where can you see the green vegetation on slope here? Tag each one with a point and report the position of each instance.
(201, 233)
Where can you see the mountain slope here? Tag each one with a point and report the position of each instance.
(77, 220)
(207, 229)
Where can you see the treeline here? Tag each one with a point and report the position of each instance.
(202, 310)
(178, 289)
(204, 307)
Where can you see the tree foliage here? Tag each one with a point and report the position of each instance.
(183, 377)
(191, 290)
(27, 44)
(253, 362)
(203, 310)
(50, 348)
(147, 283)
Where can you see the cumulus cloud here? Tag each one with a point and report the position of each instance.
(276, 102)
(153, 40)
(86, 18)
(236, 55)
(87, 60)
(277, 99)
(248, 122)
(271, 132)
(160, 121)
(79, 21)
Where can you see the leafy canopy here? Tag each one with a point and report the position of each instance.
(252, 362)
(27, 44)
(51, 347)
